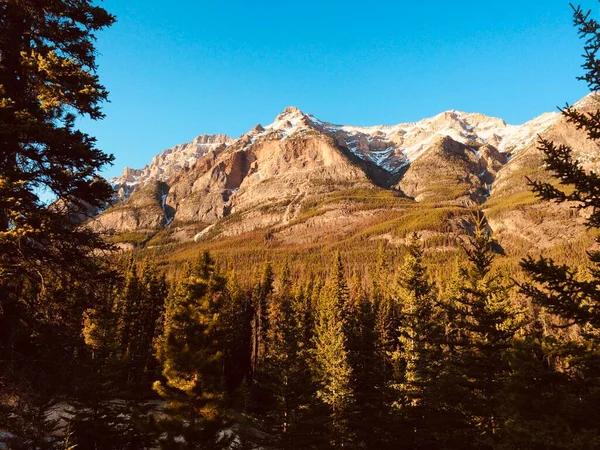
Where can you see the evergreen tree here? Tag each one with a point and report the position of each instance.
(386, 319)
(261, 297)
(126, 307)
(110, 408)
(151, 309)
(191, 355)
(47, 79)
(237, 315)
(538, 397)
(486, 324)
(332, 361)
(309, 430)
(47, 74)
(419, 358)
(369, 419)
(574, 297)
(283, 361)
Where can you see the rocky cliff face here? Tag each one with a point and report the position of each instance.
(298, 170)
(168, 164)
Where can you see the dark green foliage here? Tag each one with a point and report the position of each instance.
(191, 355)
(485, 325)
(111, 408)
(539, 401)
(49, 273)
(236, 316)
(41, 337)
(419, 358)
(332, 368)
(47, 74)
(261, 297)
(573, 295)
(286, 365)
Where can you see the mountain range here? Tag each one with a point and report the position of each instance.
(304, 181)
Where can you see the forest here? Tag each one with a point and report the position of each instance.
(102, 349)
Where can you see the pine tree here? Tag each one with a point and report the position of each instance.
(386, 318)
(261, 297)
(284, 366)
(237, 314)
(368, 420)
(574, 297)
(110, 409)
(126, 308)
(151, 309)
(486, 324)
(47, 79)
(191, 355)
(419, 357)
(308, 430)
(47, 74)
(538, 396)
(332, 361)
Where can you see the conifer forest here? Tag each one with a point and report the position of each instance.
(233, 344)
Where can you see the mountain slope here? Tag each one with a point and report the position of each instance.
(301, 180)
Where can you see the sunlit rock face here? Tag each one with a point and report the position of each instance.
(271, 176)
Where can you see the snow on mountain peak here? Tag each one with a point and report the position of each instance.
(168, 163)
(390, 147)
(289, 121)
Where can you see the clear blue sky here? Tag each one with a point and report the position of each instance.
(183, 68)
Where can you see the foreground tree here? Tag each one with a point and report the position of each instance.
(47, 79)
(191, 352)
(419, 358)
(285, 367)
(572, 296)
(485, 325)
(262, 296)
(333, 371)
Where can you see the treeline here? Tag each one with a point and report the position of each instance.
(293, 364)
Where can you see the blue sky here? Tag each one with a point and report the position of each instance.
(183, 68)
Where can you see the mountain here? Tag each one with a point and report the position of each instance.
(301, 180)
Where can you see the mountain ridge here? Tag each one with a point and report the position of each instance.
(306, 181)
(292, 119)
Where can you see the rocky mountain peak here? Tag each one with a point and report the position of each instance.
(290, 120)
(290, 111)
(271, 177)
(169, 163)
(214, 139)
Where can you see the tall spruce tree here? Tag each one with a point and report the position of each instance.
(333, 371)
(574, 297)
(284, 374)
(237, 314)
(539, 398)
(386, 335)
(485, 324)
(191, 355)
(47, 79)
(419, 358)
(151, 310)
(309, 430)
(110, 408)
(261, 297)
